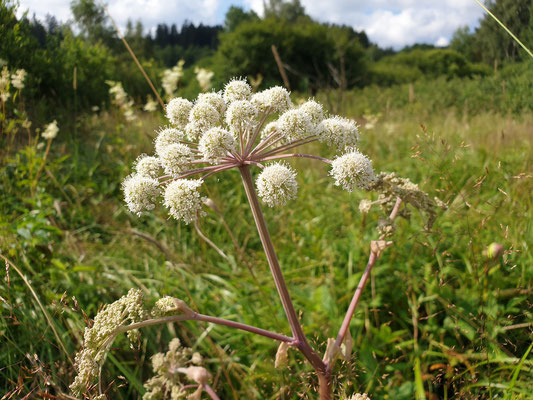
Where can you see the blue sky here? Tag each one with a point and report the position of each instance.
(390, 23)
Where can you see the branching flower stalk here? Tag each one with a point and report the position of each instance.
(235, 130)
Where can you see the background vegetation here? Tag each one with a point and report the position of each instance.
(439, 321)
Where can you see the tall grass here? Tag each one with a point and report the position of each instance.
(440, 320)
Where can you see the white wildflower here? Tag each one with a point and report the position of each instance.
(140, 193)
(204, 76)
(215, 143)
(339, 132)
(183, 200)
(365, 206)
(5, 96)
(4, 79)
(277, 184)
(241, 115)
(174, 158)
(295, 124)
(151, 105)
(314, 110)
(352, 170)
(147, 166)
(237, 89)
(277, 99)
(50, 131)
(17, 79)
(171, 78)
(213, 99)
(178, 110)
(166, 137)
(204, 116)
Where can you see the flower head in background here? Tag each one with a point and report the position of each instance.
(204, 77)
(122, 100)
(235, 129)
(171, 79)
(51, 130)
(151, 105)
(17, 79)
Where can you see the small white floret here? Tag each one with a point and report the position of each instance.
(277, 184)
(237, 89)
(51, 130)
(166, 137)
(148, 166)
(178, 110)
(175, 158)
(314, 110)
(295, 124)
(352, 170)
(276, 99)
(213, 99)
(204, 115)
(183, 199)
(241, 115)
(215, 143)
(339, 132)
(140, 193)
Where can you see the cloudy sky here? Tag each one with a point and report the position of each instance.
(389, 23)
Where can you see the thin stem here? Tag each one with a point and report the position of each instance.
(325, 160)
(38, 174)
(296, 328)
(204, 318)
(288, 146)
(266, 142)
(374, 255)
(209, 241)
(209, 390)
(257, 130)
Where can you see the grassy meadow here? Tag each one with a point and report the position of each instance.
(440, 320)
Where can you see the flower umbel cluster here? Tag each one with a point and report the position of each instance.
(98, 338)
(236, 129)
(171, 368)
(122, 100)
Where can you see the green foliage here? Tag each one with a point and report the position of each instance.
(408, 66)
(315, 55)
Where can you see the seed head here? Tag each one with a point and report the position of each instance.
(140, 193)
(353, 169)
(147, 166)
(277, 99)
(183, 200)
(215, 143)
(174, 157)
(339, 132)
(166, 137)
(295, 124)
(241, 115)
(237, 89)
(277, 184)
(178, 111)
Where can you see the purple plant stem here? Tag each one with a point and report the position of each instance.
(206, 318)
(301, 341)
(276, 157)
(359, 290)
(209, 390)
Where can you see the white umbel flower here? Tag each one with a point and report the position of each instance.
(352, 170)
(213, 99)
(51, 130)
(147, 166)
(277, 184)
(339, 132)
(166, 137)
(241, 115)
(237, 89)
(204, 115)
(277, 99)
(215, 143)
(183, 200)
(269, 129)
(193, 131)
(295, 124)
(359, 396)
(174, 158)
(178, 110)
(314, 110)
(140, 193)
